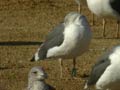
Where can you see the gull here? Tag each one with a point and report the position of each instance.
(105, 74)
(68, 40)
(106, 9)
(36, 79)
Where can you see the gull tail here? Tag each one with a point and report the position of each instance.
(39, 55)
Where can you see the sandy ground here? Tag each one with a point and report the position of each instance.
(24, 25)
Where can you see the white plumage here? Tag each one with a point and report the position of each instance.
(68, 40)
(106, 9)
(102, 8)
(108, 69)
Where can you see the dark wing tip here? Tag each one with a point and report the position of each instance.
(50, 87)
(33, 59)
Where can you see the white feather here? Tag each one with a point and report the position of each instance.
(111, 76)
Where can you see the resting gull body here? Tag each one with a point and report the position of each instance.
(105, 74)
(68, 40)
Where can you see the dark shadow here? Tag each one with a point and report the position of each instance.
(2, 68)
(7, 68)
(84, 76)
(19, 43)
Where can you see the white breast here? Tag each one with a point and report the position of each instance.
(38, 86)
(72, 35)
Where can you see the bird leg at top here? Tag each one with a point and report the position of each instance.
(117, 33)
(104, 23)
(79, 5)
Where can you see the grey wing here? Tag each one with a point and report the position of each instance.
(101, 65)
(56, 31)
(115, 4)
(55, 38)
(98, 70)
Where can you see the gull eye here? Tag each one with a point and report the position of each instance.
(35, 72)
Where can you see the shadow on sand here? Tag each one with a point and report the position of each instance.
(19, 43)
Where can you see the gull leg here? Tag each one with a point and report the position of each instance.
(86, 86)
(79, 5)
(104, 23)
(74, 71)
(61, 65)
(117, 33)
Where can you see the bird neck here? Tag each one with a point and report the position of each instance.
(32, 83)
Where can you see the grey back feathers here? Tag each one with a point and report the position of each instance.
(55, 32)
(36, 79)
(54, 38)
